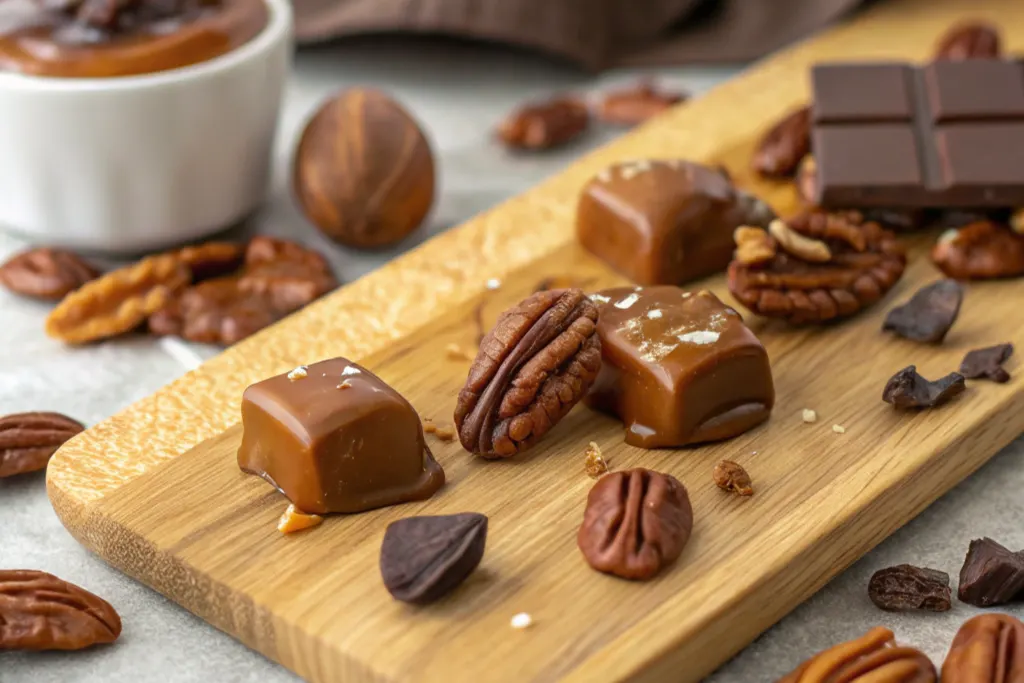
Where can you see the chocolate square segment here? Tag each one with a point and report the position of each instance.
(869, 161)
(861, 92)
(974, 90)
(333, 437)
(986, 158)
(678, 367)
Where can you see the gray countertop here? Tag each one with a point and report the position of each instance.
(458, 91)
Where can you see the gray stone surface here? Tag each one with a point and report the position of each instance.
(459, 92)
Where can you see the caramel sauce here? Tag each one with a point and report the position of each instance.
(38, 42)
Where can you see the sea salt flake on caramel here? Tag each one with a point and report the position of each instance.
(336, 451)
(691, 373)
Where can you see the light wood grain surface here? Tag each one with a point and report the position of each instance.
(155, 490)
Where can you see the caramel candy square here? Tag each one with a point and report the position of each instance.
(664, 222)
(333, 437)
(678, 367)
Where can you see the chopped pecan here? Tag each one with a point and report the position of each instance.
(211, 259)
(969, 40)
(807, 180)
(38, 611)
(980, 250)
(987, 649)
(795, 244)
(730, 476)
(531, 369)
(637, 103)
(780, 150)
(27, 440)
(636, 523)
(119, 301)
(45, 273)
(594, 463)
(865, 262)
(873, 657)
(754, 245)
(545, 125)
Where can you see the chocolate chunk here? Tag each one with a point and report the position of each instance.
(991, 575)
(987, 363)
(678, 367)
(424, 558)
(334, 449)
(948, 134)
(907, 389)
(929, 314)
(906, 587)
(664, 222)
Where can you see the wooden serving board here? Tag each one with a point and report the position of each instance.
(155, 490)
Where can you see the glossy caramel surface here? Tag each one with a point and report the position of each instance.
(39, 42)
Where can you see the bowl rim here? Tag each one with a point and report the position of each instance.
(279, 26)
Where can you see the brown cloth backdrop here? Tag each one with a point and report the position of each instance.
(596, 34)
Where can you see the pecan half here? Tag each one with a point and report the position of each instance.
(38, 611)
(211, 259)
(987, 649)
(780, 150)
(27, 440)
(873, 657)
(637, 103)
(754, 245)
(636, 523)
(119, 301)
(969, 40)
(291, 275)
(545, 125)
(531, 369)
(980, 250)
(45, 273)
(865, 261)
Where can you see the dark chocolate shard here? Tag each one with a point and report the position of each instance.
(424, 558)
(991, 575)
(929, 314)
(907, 389)
(906, 587)
(987, 363)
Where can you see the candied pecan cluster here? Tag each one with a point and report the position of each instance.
(980, 250)
(816, 267)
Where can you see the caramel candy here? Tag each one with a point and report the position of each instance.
(333, 437)
(678, 367)
(664, 222)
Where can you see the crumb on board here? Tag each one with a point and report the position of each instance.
(595, 464)
(294, 520)
(521, 621)
(839, 429)
(809, 415)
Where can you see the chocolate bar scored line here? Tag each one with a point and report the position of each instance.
(932, 176)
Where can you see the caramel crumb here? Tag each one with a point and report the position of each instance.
(595, 464)
(294, 520)
(839, 429)
(429, 427)
(345, 385)
(809, 416)
(521, 621)
(456, 352)
(445, 433)
(298, 373)
(730, 476)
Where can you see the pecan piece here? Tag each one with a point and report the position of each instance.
(637, 103)
(807, 180)
(217, 311)
(636, 522)
(797, 285)
(119, 301)
(38, 611)
(873, 657)
(27, 440)
(289, 273)
(980, 250)
(545, 125)
(987, 649)
(45, 273)
(780, 151)
(754, 245)
(211, 259)
(730, 476)
(531, 369)
(969, 40)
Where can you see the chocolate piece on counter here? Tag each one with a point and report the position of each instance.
(907, 389)
(991, 575)
(334, 449)
(678, 367)
(906, 587)
(664, 221)
(949, 134)
(987, 363)
(929, 314)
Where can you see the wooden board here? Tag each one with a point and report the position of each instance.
(155, 490)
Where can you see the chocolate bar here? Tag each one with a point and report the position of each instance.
(948, 134)
(333, 437)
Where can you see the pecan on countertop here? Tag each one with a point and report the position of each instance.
(532, 368)
(988, 648)
(545, 125)
(28, 440)
(969, 40)
(45, 273)
(873, 657)
(825, 267)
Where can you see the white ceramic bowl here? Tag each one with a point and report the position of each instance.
(138, 163)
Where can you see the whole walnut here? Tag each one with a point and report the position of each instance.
(363, 170)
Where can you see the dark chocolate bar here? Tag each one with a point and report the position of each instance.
(948, 134)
